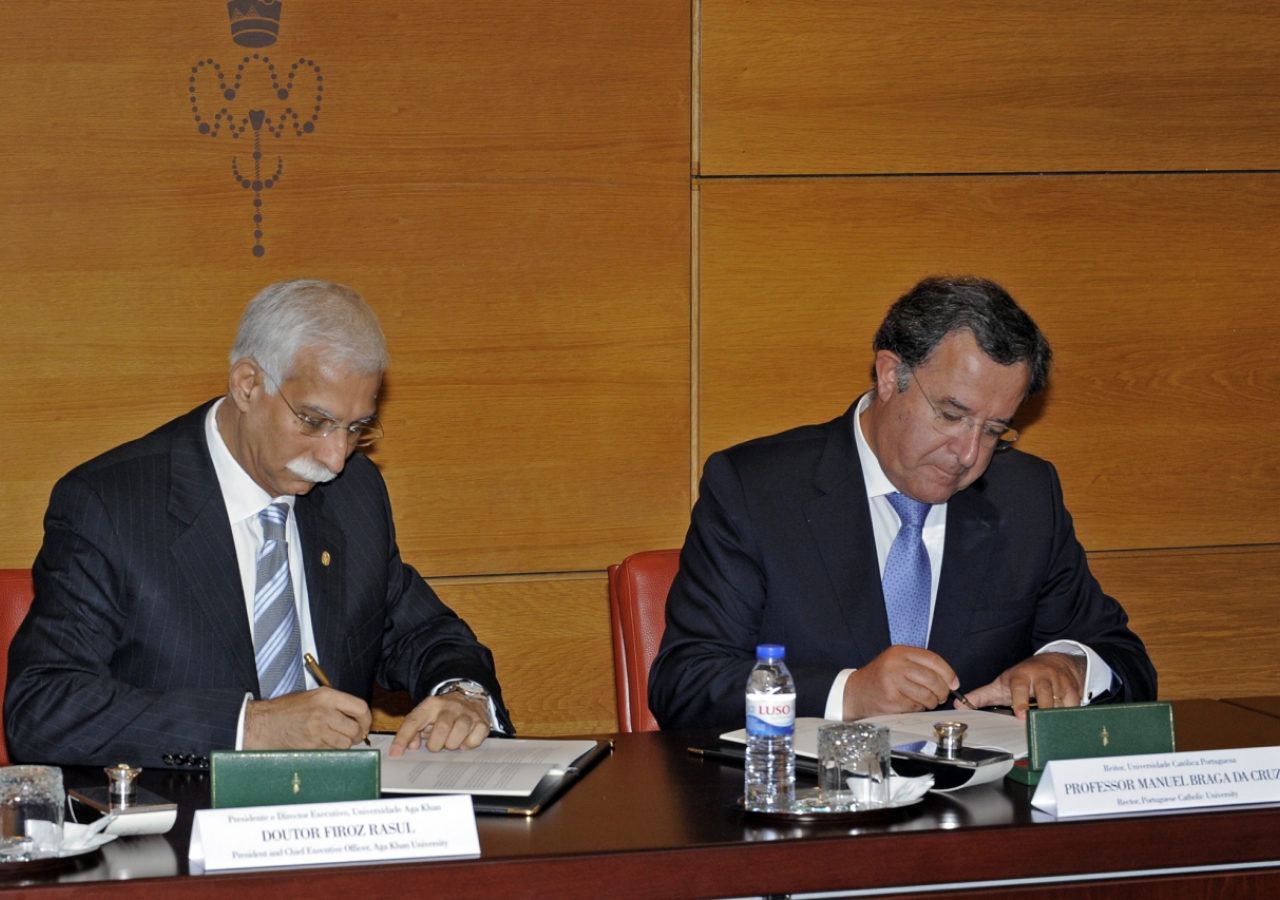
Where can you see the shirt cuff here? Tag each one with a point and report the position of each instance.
(835, 697)
(1098, 677)
(494, 724)
(244, 706)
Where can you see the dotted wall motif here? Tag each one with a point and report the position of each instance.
(257, 96)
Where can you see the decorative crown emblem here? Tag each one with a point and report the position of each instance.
(254, 23)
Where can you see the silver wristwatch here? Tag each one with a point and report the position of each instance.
(468, 689)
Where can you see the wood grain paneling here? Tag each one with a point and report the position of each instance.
(1157, 292)
(1208, 617)
(828, 86)
(508, 184)
(553, 647)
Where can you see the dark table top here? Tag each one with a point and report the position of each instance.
(1267, 705)
(650, 814)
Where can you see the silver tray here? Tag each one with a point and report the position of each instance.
(799, 815)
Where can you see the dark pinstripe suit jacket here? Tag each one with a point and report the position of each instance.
(138, 644)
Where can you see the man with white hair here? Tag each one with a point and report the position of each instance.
(184, 576)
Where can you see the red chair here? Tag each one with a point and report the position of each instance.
(16, 594)
(637, 606)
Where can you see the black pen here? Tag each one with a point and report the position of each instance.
(318, 674)
(956, 695)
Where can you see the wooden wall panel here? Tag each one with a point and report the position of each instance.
(828, 86)
(1158, 293)
(553, 647)
(508, 184)
(1208, 617)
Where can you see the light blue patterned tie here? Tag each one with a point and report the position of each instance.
(907, 575)
(277, 640)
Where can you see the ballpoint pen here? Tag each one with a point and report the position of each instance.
(318, 674)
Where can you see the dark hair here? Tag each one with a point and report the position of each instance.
(917, 323)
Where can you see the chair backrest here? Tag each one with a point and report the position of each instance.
(16, 594)
(638, 605)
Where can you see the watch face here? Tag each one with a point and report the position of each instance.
(469, 689)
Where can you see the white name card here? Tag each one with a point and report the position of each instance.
(1159, 781)
(314, 834)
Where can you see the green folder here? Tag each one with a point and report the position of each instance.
(1084, 732)
(275, 777)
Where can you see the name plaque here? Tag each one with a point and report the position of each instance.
(318, 834)
(1159, 781)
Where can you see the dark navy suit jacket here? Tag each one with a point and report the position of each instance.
(780, 550)
(138, 644)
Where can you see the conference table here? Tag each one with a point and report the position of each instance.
(652, 821)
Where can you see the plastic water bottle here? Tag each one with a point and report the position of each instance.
(770, 782)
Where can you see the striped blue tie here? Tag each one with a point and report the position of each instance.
(907, 575)
(277, 640)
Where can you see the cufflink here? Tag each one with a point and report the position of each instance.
(325, 558)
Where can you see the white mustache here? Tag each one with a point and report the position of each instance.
(309, 470)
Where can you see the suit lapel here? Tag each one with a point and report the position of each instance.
(326, 595)
(972, 525)
(840, 519)
(204, 553)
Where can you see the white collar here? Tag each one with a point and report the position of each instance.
(878, 483)
(242, 495)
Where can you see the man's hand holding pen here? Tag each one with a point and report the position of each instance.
(911, 679)
(901, 679)
(323, 719)
(329, 719)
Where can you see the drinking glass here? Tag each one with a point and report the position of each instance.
(31, 809)
(853, 766)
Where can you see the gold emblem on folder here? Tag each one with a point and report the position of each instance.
(325, 558)
(1105, 738)
(297, 783)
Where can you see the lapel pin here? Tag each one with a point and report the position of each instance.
(325, 558)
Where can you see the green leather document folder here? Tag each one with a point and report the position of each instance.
(272, 777)
(1082, 732)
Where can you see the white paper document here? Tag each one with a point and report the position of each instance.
(500, 767)
(995, 731)
(986, 729)
(1154, 782)
(311, 834)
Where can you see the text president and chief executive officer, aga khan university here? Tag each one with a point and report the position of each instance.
(901, 550)
(183, 574)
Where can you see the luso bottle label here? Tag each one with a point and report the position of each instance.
(773, 715)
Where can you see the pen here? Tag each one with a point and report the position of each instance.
(318, 674)
(955, 695)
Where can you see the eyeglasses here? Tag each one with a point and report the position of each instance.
(993, 435)
(361, 434)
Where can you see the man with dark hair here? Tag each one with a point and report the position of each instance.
(902, 550)
(185, 575)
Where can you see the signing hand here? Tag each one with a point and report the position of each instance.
(323, 719)
(901, 679)
(444, 722)
(1051, 679)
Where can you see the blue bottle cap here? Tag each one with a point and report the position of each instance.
(771, 651)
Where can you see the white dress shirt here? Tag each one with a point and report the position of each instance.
(885, 523)
(244, 500)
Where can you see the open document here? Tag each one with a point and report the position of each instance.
(992, 730)
(500, 767)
